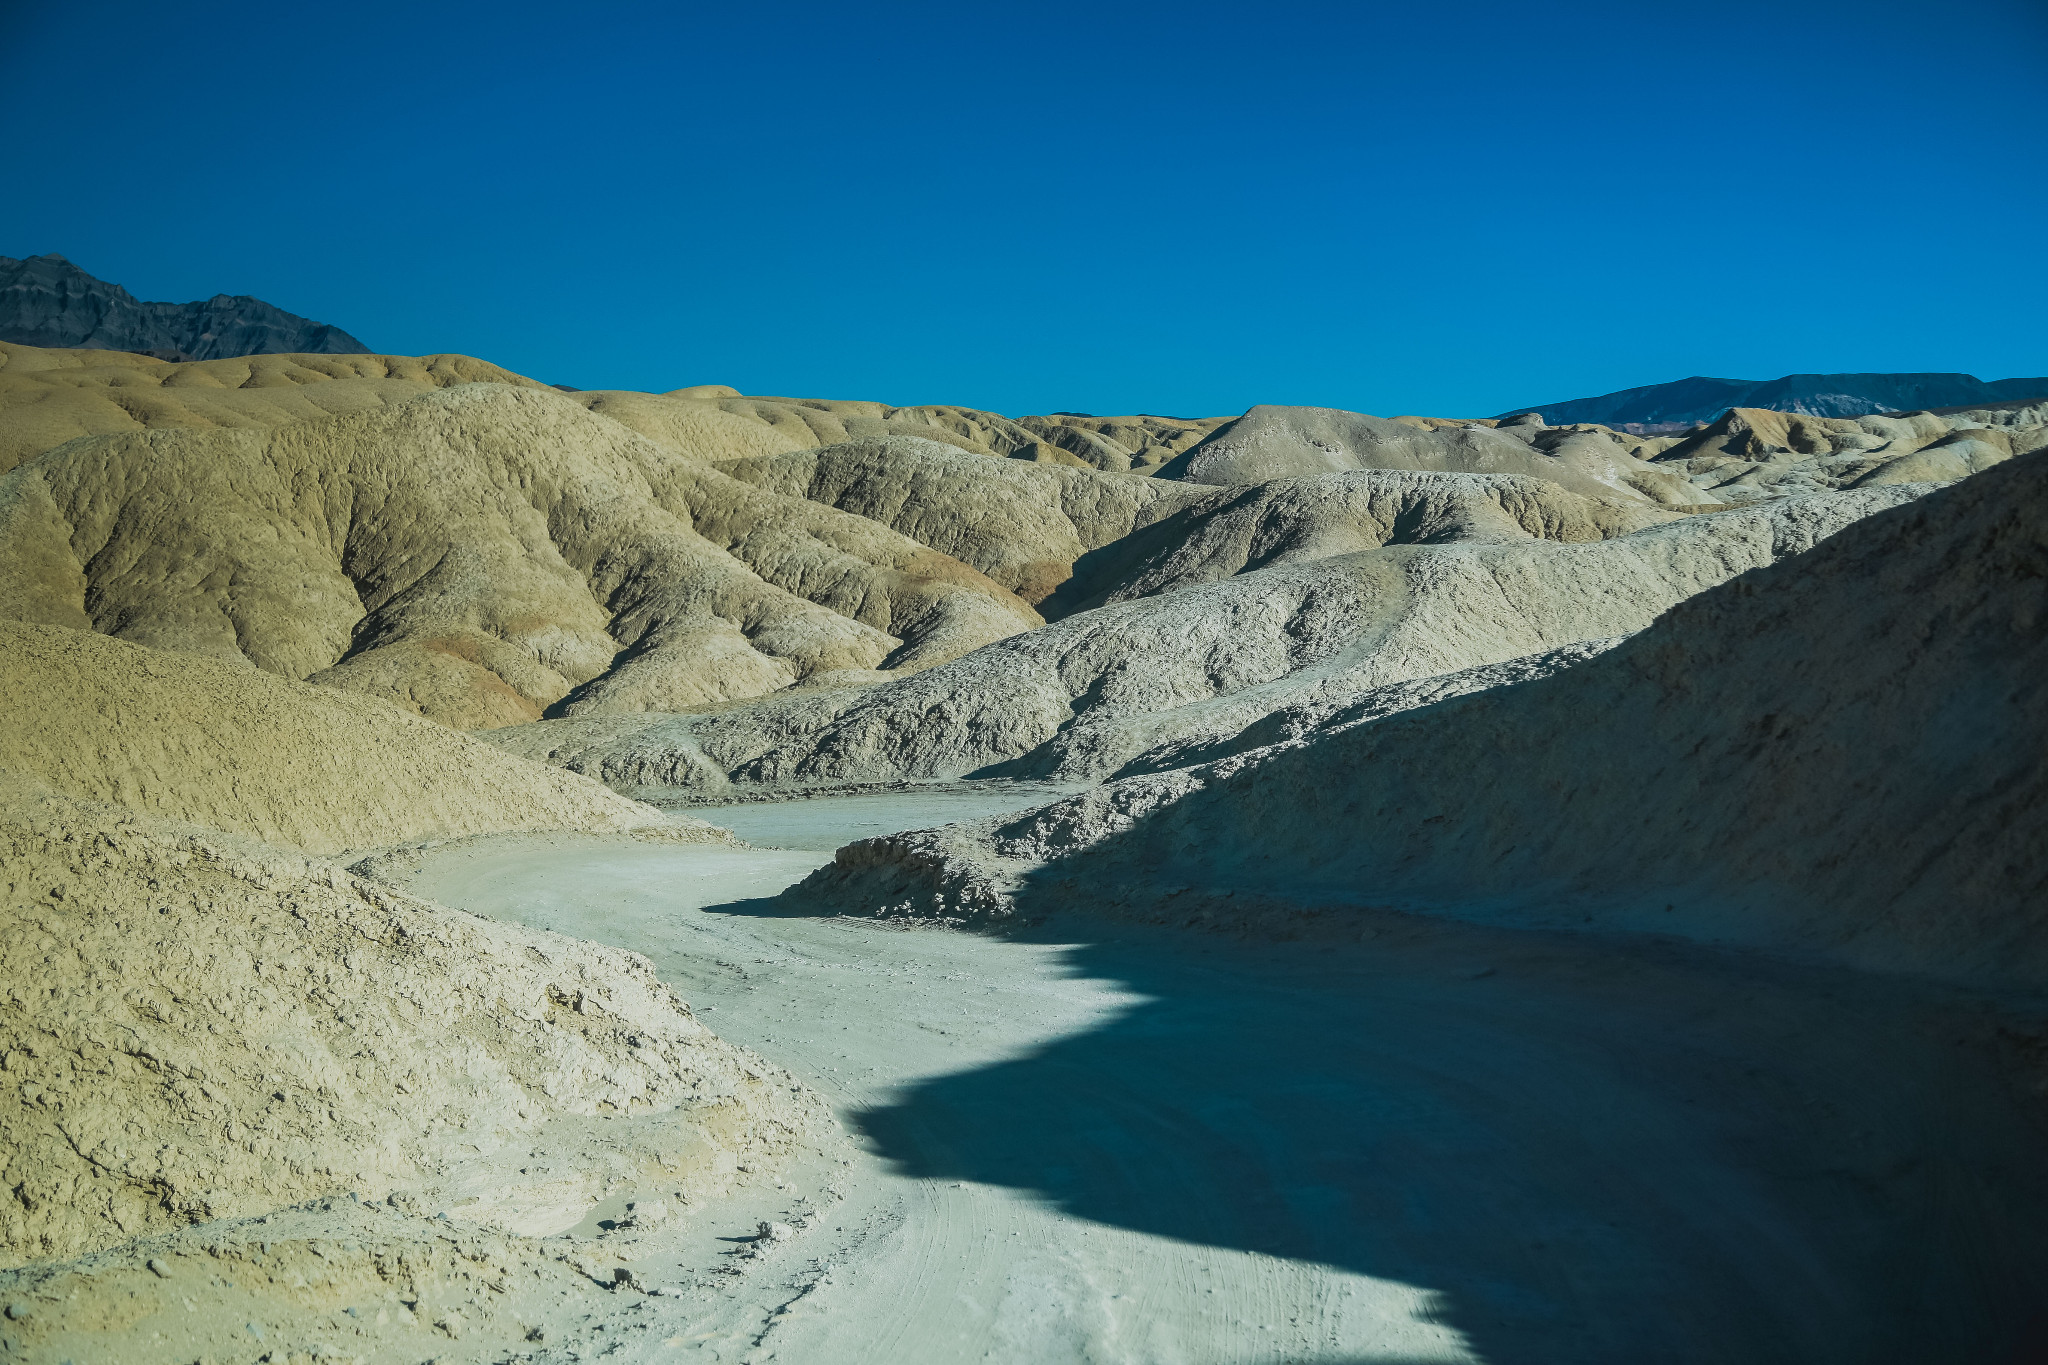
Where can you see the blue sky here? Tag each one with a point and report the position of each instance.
(1185, 208)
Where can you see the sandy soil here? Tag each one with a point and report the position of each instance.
(1446, 1144)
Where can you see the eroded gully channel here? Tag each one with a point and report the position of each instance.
(1103, 1142)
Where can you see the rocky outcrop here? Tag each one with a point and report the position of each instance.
(48, 301)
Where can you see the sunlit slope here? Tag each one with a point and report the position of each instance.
(199, 1028)
(238, 749)
(48, 397)
(477, 555)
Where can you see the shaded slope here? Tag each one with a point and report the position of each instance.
(1837, 754)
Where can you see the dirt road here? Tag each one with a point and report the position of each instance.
(1102, 1143)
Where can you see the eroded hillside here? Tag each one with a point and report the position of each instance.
(282, 633)
(1836, 755)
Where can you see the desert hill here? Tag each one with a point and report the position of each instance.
(687, 417)
(1744, 455)
(1291, 591)
(1685, 402)
(1771, 683)
(48, 397)
(478, 555)
(1834, 754)
(1024, 524)
(48, 301)
(237, 749)
(701, 587)
(1274, 442)
(201, 1022)
(1750, 453)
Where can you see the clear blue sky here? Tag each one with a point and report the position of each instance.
(1185, 208)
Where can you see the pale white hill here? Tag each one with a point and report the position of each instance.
(1750, 453)
(1466, 574)
(1838, 754)
(1275, 442)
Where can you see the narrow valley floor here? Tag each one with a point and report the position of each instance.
(1105, 1142)
(1100, 1142)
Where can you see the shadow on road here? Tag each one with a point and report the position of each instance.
(1592, 1153)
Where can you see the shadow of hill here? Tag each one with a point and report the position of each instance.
(1592, 1152)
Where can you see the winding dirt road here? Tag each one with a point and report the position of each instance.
(1106, 1143)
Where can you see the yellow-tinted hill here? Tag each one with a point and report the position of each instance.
(237, 749)
(48, 397)
(477, 555)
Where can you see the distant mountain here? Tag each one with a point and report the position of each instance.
(47, 301)
(1684, 402)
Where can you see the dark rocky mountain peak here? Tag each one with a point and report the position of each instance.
(1688, 402)
(47, 301)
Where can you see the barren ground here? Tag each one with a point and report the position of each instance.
(1106, 1143)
